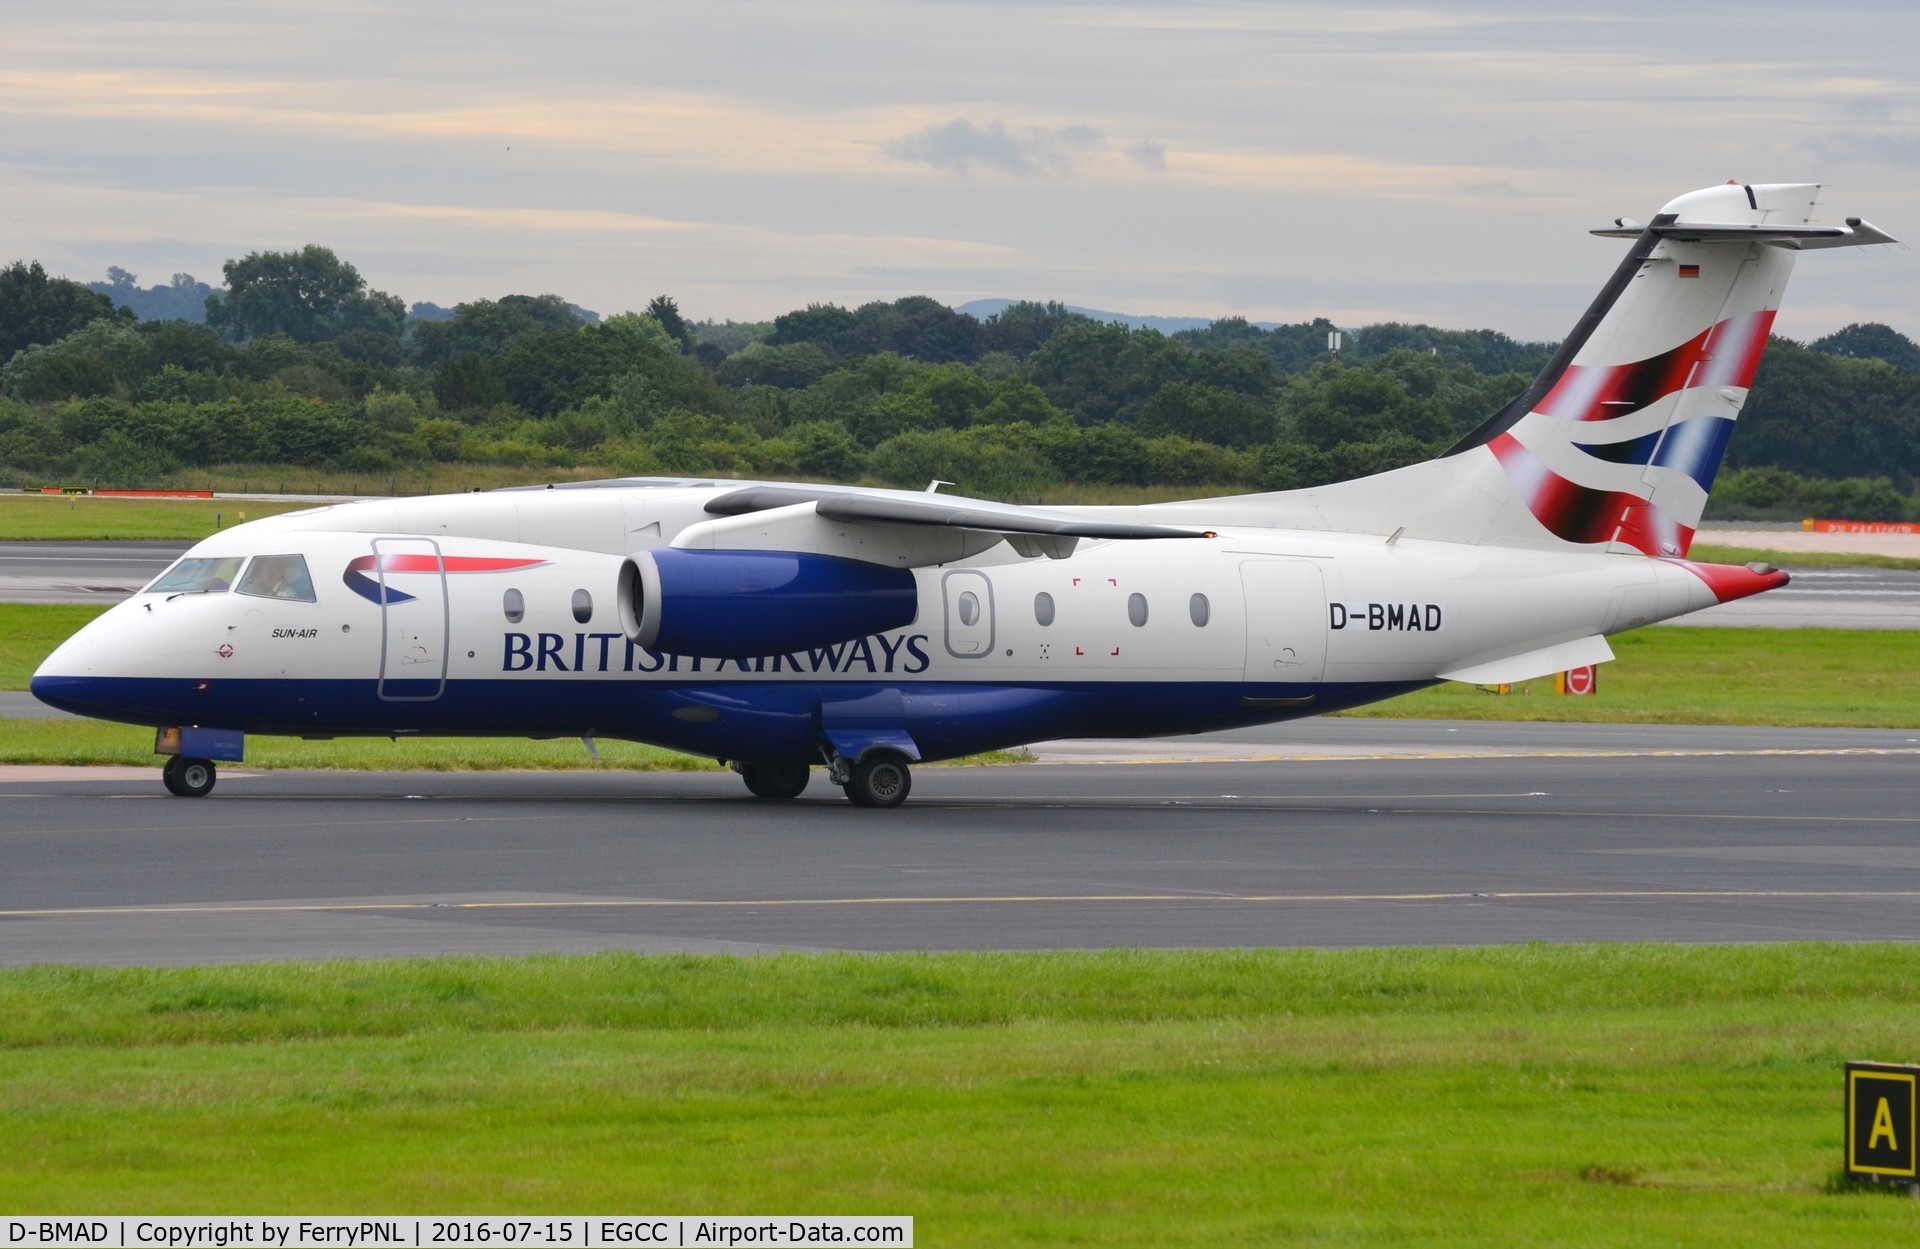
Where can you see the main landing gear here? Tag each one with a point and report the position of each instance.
(188, 778)
(880, 779)
(776, 782)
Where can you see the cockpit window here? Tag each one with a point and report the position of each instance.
(278, 576)
(199, 576)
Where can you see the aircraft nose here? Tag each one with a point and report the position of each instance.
(62, 677)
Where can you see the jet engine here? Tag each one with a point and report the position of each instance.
(737, 604)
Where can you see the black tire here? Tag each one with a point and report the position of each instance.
(880, 780)
(189, 778)
(776, 782)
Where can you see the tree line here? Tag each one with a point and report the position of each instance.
(297, 361)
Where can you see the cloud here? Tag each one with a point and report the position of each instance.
(960, 146)
(1148, 155)
(1887, 149)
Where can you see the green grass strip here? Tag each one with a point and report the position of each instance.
(1844, 678)
(1798, 559)
(30, 631)
(84, 518)
(1538, 1095)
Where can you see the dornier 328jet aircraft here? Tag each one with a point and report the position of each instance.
(783, 626)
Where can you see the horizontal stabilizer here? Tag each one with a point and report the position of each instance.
(1536, 663)
(1856, 233)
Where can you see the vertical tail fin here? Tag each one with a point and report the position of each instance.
(1619, 439)
(1615, 445)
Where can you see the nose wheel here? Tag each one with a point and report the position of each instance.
(881, 779)
(188, 778)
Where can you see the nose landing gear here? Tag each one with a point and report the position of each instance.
(188, 778)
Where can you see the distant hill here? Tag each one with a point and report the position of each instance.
(981, 309)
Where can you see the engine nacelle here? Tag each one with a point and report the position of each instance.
(738, 604)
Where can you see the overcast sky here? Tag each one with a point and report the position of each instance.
(1280, 161)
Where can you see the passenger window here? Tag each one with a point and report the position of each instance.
(582, 606)
(514, 604)
(1198, 608)
(198, 576)
(278, 576)
(1137, 609)
(969, 608)
(1043, 608)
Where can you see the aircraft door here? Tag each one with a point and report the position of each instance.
(968, 597)
(414, 618)
(1286, 604)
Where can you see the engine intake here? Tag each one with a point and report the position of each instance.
(739, 604)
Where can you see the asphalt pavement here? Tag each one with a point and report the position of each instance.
(80, 572)
(1756, 836)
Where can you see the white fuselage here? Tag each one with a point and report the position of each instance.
(508, 621)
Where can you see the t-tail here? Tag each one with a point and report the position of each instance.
(1616, 444)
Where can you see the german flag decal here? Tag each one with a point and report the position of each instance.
(1689, 271)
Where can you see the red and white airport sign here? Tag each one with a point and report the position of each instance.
(1580, 682)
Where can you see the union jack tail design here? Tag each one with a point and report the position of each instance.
(1618, 441)
(1616, 444)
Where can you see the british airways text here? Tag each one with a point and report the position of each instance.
(612, 652)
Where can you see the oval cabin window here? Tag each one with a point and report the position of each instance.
(582, 606)
(1137, 609)
(514, 604)
(1197, 608)
(969, 608)
(1043, 608)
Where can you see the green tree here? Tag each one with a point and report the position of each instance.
(467, 383)
(827, 326)
(103, 358)
(35, 308)
(488, 327)
(917, 328)
(825, 449)
(310, 295)
(793, 367)
(1022, 328)
(1207, 414)
(1871, 341)
(667, 313)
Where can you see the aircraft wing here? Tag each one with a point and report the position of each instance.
(894, 527)
(937, 509)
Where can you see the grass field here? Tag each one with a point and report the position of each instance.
(1542, 1095)
(1861, 678)
(1798, 559)
(84, 518)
